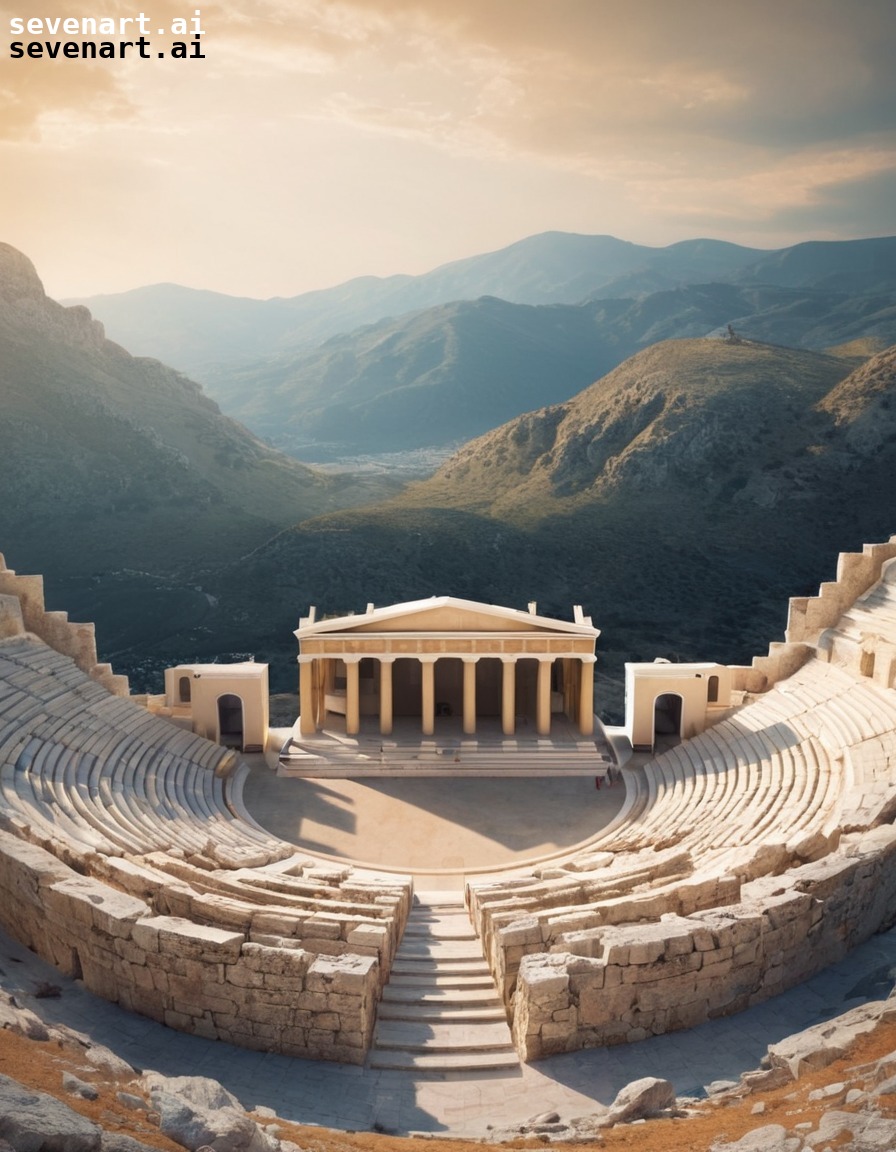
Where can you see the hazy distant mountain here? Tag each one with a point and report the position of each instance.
(434, 377)
(856, 267)
(845, 267)
(200, 331)
(681, 499)
(109, 463)
(450, 373)
(194, 329)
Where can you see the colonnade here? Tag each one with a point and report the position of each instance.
(580, 706)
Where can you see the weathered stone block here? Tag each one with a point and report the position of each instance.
(198, 941)
(525, 931)
(275, 961)
(543, 982)
(368, 936)
(348, 974)
(93, 904)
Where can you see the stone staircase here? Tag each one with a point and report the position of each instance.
(440, 1011)
(326, 755)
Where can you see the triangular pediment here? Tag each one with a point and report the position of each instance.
(444, 614)
(447, 618)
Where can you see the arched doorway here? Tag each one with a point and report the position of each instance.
(230, 721)
(667, 715)
(712, 692)
(184, 690)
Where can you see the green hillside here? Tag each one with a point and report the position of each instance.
(120, 476)
(681, 499)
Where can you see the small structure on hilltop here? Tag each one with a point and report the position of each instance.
(446, 657)
(227, 703)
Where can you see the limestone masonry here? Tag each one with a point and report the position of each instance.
(745, 858)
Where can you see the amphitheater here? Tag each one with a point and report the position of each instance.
(743, 861)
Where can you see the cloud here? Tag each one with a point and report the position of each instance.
(746, 106)
(557, 81)
(651, 119)
(32, 89)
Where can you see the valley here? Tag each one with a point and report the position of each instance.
(678, 477)
(408, 363)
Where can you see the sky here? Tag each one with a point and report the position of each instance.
(320, 140)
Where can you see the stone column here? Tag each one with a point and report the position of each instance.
(319, 676)
(428, 694)
(508, 695)
(386, 663)
(307, 718)
(586, 696)
(470, 663)
(543, 697)
(352, 695)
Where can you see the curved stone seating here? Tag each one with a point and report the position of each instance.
(727, 787)
(723, 799)
(171, 876)
(329, 916)
(780, 808)
(749, 857)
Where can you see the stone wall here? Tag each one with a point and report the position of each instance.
(628, 982)
(22, 609)
(507, 946)
(808, 616)
(208, 981)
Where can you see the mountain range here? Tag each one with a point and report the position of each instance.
(193, 329)
(476, 342)
(449, 373)
(680, 497)
(121, 479)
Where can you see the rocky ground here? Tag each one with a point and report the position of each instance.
(832, 1087)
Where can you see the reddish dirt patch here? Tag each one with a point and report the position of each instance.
(41, 1065)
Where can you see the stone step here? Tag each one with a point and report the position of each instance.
(417, 1036)
(421, 948)
(436, 979)
(429, 966)
(440, 930)
(444, 1061)
(403, 992)
(442, 1013)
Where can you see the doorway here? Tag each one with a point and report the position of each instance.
(230, 721)
(667, 715)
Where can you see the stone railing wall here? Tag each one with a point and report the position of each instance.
(808, 616)
(208, 981)
(507, 947)
(22, 609)
(626, 983)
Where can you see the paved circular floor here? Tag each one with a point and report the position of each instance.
(422, 825)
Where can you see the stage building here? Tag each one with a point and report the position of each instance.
(446, 657)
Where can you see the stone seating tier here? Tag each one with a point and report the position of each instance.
(126, 862)
(745, 859)
(748, 780)
(782, 806)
